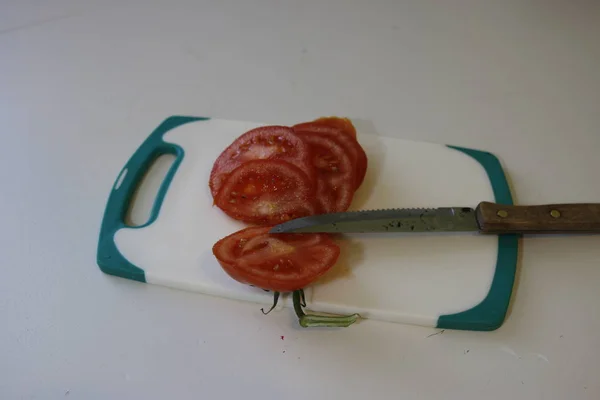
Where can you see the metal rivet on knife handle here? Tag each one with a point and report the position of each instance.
(502, 213)
(555, 213)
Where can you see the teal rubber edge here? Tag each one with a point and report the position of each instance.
(108, 257)
(491, 312)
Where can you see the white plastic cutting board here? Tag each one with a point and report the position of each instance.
(399, 278)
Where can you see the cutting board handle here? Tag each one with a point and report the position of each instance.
(109, 258)
(547, 218)
(129, 179)
(127, 182)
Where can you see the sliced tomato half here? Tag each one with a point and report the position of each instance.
(278, 262)
(342, 131)
(263, 143)
(335, 173)
(267, 192)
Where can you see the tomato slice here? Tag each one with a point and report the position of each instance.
(267, 142)
(267, 192)
(333, 128)
(335, 173)
(344, 124)
(278, 262)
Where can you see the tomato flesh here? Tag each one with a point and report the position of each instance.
(335, 173)
(342, 131)
(263, 143)
(267, 192)
(278, 262)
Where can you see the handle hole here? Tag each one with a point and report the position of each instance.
(144, 197)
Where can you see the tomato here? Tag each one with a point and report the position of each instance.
(341, 123)
(267, 192)
(278, 262)
(332, 128)
(361, 165)
(335, 173)
(267, 142)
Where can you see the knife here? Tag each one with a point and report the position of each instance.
(487, 218)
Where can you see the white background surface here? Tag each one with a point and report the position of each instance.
(82, 83)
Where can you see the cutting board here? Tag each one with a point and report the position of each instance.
(453, 281)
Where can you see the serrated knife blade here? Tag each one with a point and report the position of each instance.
(487, 217)
(445, 219)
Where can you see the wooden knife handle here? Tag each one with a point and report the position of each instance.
(549, 218)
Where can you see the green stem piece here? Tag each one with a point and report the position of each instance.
(311, 320)
(275, 300)
(302, 298)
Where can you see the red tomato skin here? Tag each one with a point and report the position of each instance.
(341, 130)
(246, 273)
(344, 124)
(274, 285)
(295, 201)
(335, 172)
(268, 142)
